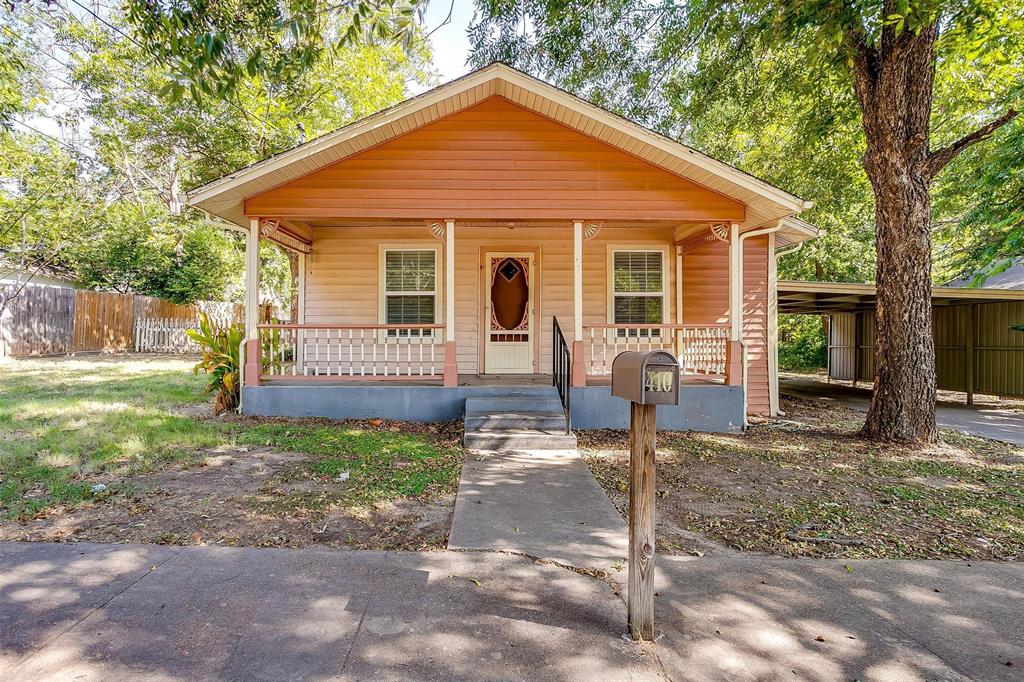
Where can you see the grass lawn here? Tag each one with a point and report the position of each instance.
(142, 427)
(962, 499)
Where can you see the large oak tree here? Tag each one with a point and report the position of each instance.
(884, 53)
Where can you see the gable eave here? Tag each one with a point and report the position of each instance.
(225, 196)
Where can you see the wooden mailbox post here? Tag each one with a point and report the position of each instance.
(646, 380)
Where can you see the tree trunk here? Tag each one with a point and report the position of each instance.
(894, 86)
(894, 82)
(903, 402)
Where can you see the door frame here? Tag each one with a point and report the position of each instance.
(484, 292)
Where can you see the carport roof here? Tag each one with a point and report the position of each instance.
(839, 297)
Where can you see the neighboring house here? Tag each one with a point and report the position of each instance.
(15, 275)
(1010, 278)
(481, 237)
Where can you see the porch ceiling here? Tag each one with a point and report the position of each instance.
(764, 203)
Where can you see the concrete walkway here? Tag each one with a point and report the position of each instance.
(99, 612)
(544, 503)
(985, 421)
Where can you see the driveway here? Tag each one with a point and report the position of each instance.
(97, 612)
(986, 421)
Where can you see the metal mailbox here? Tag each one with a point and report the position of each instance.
(650, 378)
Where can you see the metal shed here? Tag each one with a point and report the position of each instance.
(975, 349)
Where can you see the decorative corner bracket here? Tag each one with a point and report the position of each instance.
(437, 229)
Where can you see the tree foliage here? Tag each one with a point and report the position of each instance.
(983, 194)
(15, 78)
(766, 86)
(213, 48)
(105, 202)
(801, 343)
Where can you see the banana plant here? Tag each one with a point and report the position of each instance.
(220, 360)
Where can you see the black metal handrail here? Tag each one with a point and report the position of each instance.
(561, 368)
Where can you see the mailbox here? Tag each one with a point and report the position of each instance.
(650, 378)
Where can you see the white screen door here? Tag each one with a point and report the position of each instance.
(508, 313)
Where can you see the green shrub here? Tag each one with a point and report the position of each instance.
(801, 342)
(220, 348)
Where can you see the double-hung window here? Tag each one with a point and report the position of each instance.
(409, 290)
(637, 290)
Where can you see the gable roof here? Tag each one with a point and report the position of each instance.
(225, 196)
(1010, 278)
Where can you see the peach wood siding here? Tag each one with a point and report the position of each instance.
(342, 283)
(706, 301)
(342, 276)
(495, 161)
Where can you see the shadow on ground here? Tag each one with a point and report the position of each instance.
(150, 612)
(109, 612)
(747, 618)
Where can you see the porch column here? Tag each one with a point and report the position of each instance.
(679, 301)
(451, 367)
(300, 314)
(734, 351)
(579, 366)
(253, 363)
(773, 328)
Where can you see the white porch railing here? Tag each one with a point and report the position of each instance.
(701, 349)
(352, 351)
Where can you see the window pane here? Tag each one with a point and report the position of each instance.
(638, 309)
(409, 310)
(409, 270)
(637, 271)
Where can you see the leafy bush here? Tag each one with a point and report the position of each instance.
(220, 360)
(801, 342)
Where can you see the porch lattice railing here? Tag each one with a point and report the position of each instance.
(701, 349)
(352, 351)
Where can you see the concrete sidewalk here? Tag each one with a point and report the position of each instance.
(544, 503)
(99, 612)
(976, 420)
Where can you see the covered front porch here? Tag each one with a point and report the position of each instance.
(471, 304)
(471, 334)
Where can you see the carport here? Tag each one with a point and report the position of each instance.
(975, 349)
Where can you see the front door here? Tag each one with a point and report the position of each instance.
(508, 313)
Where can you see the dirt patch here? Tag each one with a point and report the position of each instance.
(239, 496)
(961, 499)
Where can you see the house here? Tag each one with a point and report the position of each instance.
(495, 236)
(1011, 277)
(15, 275)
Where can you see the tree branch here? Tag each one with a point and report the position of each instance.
(937, 160)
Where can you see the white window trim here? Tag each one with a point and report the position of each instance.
(382, 293)
(666, 281)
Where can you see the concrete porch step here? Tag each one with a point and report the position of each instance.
(491, 421)
(520, 439)
(516, 423)
(518, 404)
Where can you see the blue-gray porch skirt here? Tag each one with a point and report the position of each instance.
(702, 407)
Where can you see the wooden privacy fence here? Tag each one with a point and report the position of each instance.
(45, 320)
